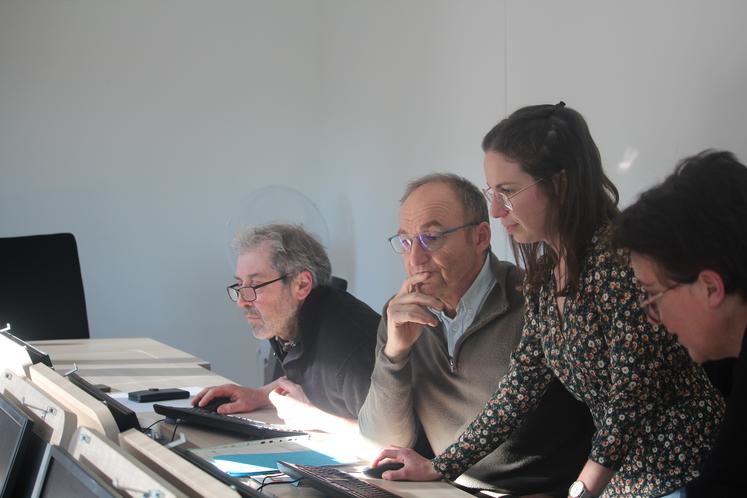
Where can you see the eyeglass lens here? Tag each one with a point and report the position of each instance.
(429, 242)
(246, 293)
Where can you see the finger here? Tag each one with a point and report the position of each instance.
(287, 385)
(412, 282)
(233, 407)
(395, 475)
(197, 397)
(226, 390)
(412, 314)
(279, 391)
(392, 452)
(417, 298)
(207, 396)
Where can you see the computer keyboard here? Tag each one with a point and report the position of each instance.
(334, 482)
(253, 429)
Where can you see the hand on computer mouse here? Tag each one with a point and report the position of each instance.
(375, 472)
(416, 467)
(213, 404)
(240, 399)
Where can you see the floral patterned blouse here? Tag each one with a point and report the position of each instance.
(655, 411)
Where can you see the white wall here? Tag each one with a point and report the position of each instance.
(140, 126)
(408, 88)
(665, 77)
(143, 126)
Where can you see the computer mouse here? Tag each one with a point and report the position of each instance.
(214, 403)
(376, 472)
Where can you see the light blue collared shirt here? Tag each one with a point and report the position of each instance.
(468, 306)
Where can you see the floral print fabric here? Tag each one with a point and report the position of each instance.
(655, 411)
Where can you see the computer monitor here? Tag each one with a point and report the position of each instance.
(15, 435)
(244, 490)
(62, 476)
(125, 418)
(35, 354)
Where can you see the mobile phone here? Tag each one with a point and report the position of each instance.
(156, 394)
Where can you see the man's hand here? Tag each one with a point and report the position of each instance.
(406, 314)
(291, 390)
(417, 467)
(292, 405)
(297, 411)
(243, 399)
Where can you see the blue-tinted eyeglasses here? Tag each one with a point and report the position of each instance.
(430, 240)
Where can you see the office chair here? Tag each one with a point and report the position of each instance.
(41, 289)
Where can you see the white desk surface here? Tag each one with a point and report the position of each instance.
(130, 364)
(130, 352)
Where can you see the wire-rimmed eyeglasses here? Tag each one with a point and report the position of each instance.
(248, 292)
(492, 192)
(429, 240)
(651, 304)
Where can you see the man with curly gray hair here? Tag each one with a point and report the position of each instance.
(323, 337)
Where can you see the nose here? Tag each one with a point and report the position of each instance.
(242, 303)
(417, 254)
(498, 209)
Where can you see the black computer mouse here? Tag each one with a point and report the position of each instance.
(214, 403)
(376, 472)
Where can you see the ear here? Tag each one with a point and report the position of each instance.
(482, 237)
(302, 285)
(712, 287)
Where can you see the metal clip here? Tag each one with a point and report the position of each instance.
(75, 369)
(150, 493)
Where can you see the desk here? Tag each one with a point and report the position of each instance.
(105, 353)
(141, 363)
(128, 364)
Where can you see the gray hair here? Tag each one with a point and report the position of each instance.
(473, 201)
(292, 249)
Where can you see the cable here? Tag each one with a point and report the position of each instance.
(154, 423)
(176, 425)
(278, 482)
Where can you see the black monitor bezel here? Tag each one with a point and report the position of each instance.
(124, 417)
(26, 424)
(84, 474)
(242, 489)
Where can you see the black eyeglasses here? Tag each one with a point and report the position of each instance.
(248, 292)
(651, 304)
(430, 241)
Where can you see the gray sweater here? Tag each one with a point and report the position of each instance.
(443, 395)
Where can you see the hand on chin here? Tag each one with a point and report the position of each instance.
(433, 285)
